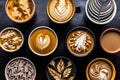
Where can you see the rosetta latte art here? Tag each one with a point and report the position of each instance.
(100, 71)
(60, 10)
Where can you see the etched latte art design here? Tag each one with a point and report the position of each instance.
(20, 10)
(80, 42)
(100, 71)
(101, 10)
(60, 10)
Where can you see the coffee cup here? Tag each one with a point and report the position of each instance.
(20, 68)
(110, 40)
(61, 68)
(100, 69)
(100, 11)
(20, 11)
(80, 41)
(43, 41)
(11, 39)
(60, 11)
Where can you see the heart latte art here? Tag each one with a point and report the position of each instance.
(43, 41)
(60, 11)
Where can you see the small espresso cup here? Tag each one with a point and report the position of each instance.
(110, 40)
(60, 11)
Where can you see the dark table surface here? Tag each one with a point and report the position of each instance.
(40, 18)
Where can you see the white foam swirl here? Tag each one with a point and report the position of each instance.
(100, 71)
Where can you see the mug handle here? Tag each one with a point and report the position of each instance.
(77, 9)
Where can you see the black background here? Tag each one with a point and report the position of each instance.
(40, 18)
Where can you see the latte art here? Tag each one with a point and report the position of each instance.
(42, 41)
(20, 11)
(100, 11)
(11, 39)
(60, 11)
(100, 71)
(80, 41)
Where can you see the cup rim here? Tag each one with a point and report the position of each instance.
(18, 21)
(103, 33)
(61, 22)
(92, 34)
(23, 59)
(101, 59)
(60, 57)
(8, 28)
(101, 23)
(40, 27)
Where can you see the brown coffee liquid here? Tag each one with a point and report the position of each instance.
(111, 41)
(43, 41)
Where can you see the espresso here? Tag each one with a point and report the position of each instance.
(110, 41)
(60, 11)
(43, 41)
(20, 10)
(80, 42)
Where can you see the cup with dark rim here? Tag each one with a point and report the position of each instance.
(80, 41)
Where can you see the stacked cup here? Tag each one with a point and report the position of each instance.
(100, 11)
